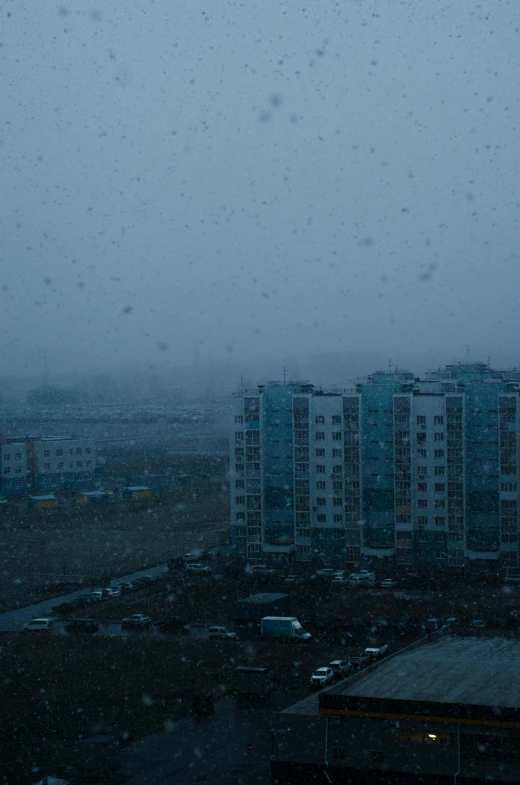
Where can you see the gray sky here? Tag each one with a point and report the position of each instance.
(260, 178)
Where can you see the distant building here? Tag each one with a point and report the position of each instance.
(37, 463)
(445, 711)
(407, 470)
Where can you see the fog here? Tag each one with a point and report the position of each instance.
(257, 183)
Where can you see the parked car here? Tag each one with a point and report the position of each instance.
(82, 626)
(66, 607)
(222, 632)
(344, 638)
(110, 592)
(341, 580)
(143, 580)
(326, 572)
(173, 625)
(291, 579)
(86, 599)
(97, 594)
(360, 661)
(196, 567)
(322, 676)
(127, 586)
(451, 620)
(340, 668)
(377, 651)
(362, 576)
(405, 623)
(478, 624)
(388, 583)
(432, 624)
(136, 621)
(39, 625)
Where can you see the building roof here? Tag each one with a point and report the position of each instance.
(264, 597)
(479, 671)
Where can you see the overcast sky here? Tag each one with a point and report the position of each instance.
(260, 178)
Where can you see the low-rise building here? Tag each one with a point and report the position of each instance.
(445, 711)
(43, 463)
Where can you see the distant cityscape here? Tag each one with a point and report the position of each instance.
(399, 469)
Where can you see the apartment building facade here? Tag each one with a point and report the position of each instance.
(415, 471)
(46, 463)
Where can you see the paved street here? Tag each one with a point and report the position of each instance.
(11, 621)
(230, 747)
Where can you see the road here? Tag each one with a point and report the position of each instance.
(230, 747)
(11, 621)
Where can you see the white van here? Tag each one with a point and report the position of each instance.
(39, 625)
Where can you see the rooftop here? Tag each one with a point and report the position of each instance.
(264, 597)
(479, 671)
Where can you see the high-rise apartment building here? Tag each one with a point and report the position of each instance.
(420, 471)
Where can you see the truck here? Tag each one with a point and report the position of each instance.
(283, 627)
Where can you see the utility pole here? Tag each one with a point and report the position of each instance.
(284, 373)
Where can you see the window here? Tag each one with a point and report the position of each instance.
(239, 484)
(336, 452)
(239, 452)
(336, 436)
(338, 518)
(421, 437)
(18, 470)
(7, 456)
(320, 485)
(421, 453)
(87, 450)
(320, 468)
(18, 456)
(87, 463)
(321, 518)
(239, 419)
(320, 452)
(71, 465)
(240, 516)
(79, 464)
(439, 471)
(438, 454)
(508, 486)
(59, 453)
(421, 420)
(239, 468)
(439, 504)
(421, 470)
(422, 504)
(422, 536)
(337, 485)
(78, 451)
(320, 419)
(438, 420)
(7, 470)
(320, 436)
(337, 501)
(46, 467)
(321, 501)
(438, 436)
(422, 520)
(46, 453)
(422, 487)
(439, 487)
(239, 436)
(240, 500)
(336, 419)
(439, 520)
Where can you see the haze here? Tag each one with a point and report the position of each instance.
(241, 181)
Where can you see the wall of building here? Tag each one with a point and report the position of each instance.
(421, 471)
